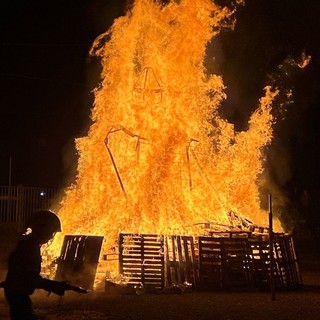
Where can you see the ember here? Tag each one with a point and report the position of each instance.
(158, 157)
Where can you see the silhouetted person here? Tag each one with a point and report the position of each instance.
(24, 266)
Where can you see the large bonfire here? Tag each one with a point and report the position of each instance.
(158, 158)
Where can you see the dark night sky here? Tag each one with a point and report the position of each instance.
(46, 78)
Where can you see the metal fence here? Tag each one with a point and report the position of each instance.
(18, 203)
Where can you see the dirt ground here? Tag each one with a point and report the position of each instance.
(300, 304)
(303, 303)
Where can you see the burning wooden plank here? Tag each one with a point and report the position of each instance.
(79, 259)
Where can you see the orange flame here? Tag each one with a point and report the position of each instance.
(158, 157)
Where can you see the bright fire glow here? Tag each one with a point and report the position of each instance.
(158, 158)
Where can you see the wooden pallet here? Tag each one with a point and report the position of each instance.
(141, 259)
(79, 259)
(224, 262)
(287, 270)
(260, 262)
(180, 261)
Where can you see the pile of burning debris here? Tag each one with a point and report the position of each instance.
(236, 224)
(219, 257)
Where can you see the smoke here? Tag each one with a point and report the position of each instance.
(278, 174)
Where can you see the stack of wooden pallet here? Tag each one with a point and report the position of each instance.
(225, 260)
(220, 261)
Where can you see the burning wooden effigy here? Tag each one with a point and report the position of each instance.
(159, 157)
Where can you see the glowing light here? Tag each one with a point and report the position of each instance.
(158, 157)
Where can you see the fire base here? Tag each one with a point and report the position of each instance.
(223, 260)
(226, 260)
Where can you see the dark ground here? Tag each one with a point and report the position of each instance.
(303, 303)
(300, 304)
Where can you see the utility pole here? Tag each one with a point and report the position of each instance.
(272, 285)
